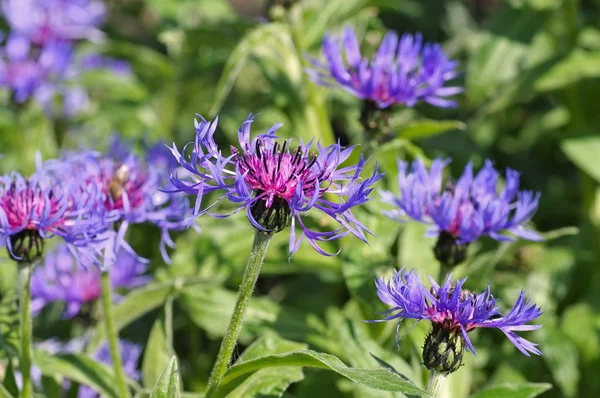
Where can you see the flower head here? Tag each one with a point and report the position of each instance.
(29, 72)
(404, 71)
(40, 207)
(462, 212)
(130, 355)
(131, 189)
(455, 310)
(43, 21)
(275, 183)
(61, 278)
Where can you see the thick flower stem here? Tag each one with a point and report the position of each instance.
(435, 383)
(25, 270)
(257, 255)
(111, 333)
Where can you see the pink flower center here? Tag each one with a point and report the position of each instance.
(276, 173)
(27, 207)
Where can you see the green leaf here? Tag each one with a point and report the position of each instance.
(210, 307)
(257, 40)
(9, 383)
(78, 368)
(167, 385)
(270, 382)
(4, 392)
(428, 128)
(529, 390)
(584, 153)
(157, 354)
(379, 379)
(577, 66)
(139, 302)
(561, 356)
(585, 335)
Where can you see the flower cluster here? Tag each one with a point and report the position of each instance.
(453, 313)
(403, 71)
(462, 212)
(37, 58)
(46, 21)
(42, 206)
(274, 183)
(131, 190)
(60, 278)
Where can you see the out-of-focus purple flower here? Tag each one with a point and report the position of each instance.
(41, 206)
(97, 61)
(27, 73)
(43, 21)
(130, 355)
(132, 191)
(455, 310)
(49, 74)
(462, 212)
(61, 278)
(403, 71)
(275, 183)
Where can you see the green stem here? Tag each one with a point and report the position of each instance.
(257, 255)
(112, 336)
(435, 383)
(25, 270)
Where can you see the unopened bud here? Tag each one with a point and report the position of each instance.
(444, 348)
(448, 252)
(274, 218)
(27, 246)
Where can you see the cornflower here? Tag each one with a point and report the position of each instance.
(454, 312)
(62, 279)
(274, 183)
(459, 213)
(403, 71)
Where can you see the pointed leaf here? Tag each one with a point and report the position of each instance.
(529, 390)
(584, 153)
(379, 379)
(79, 368)
(167, 385)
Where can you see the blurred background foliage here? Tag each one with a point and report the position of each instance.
(531, 73)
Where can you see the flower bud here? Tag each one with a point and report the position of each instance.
(444, 348)
(448, 252)
(274, 218)
(27, 246)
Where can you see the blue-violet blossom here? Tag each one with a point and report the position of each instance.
(275, 183)
(42, 206)
(403, 71)
(43, 21)
(461, 212)
(132, 191)
(454, 309)
(62, 279)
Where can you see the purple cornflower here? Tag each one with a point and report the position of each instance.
(462, 212)
(132, 191)
(453, 312)
(41, 206)
(61, 278)
(28, 72)
(403, 71)
(275, 183)
(130, 355)
(43, 21)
